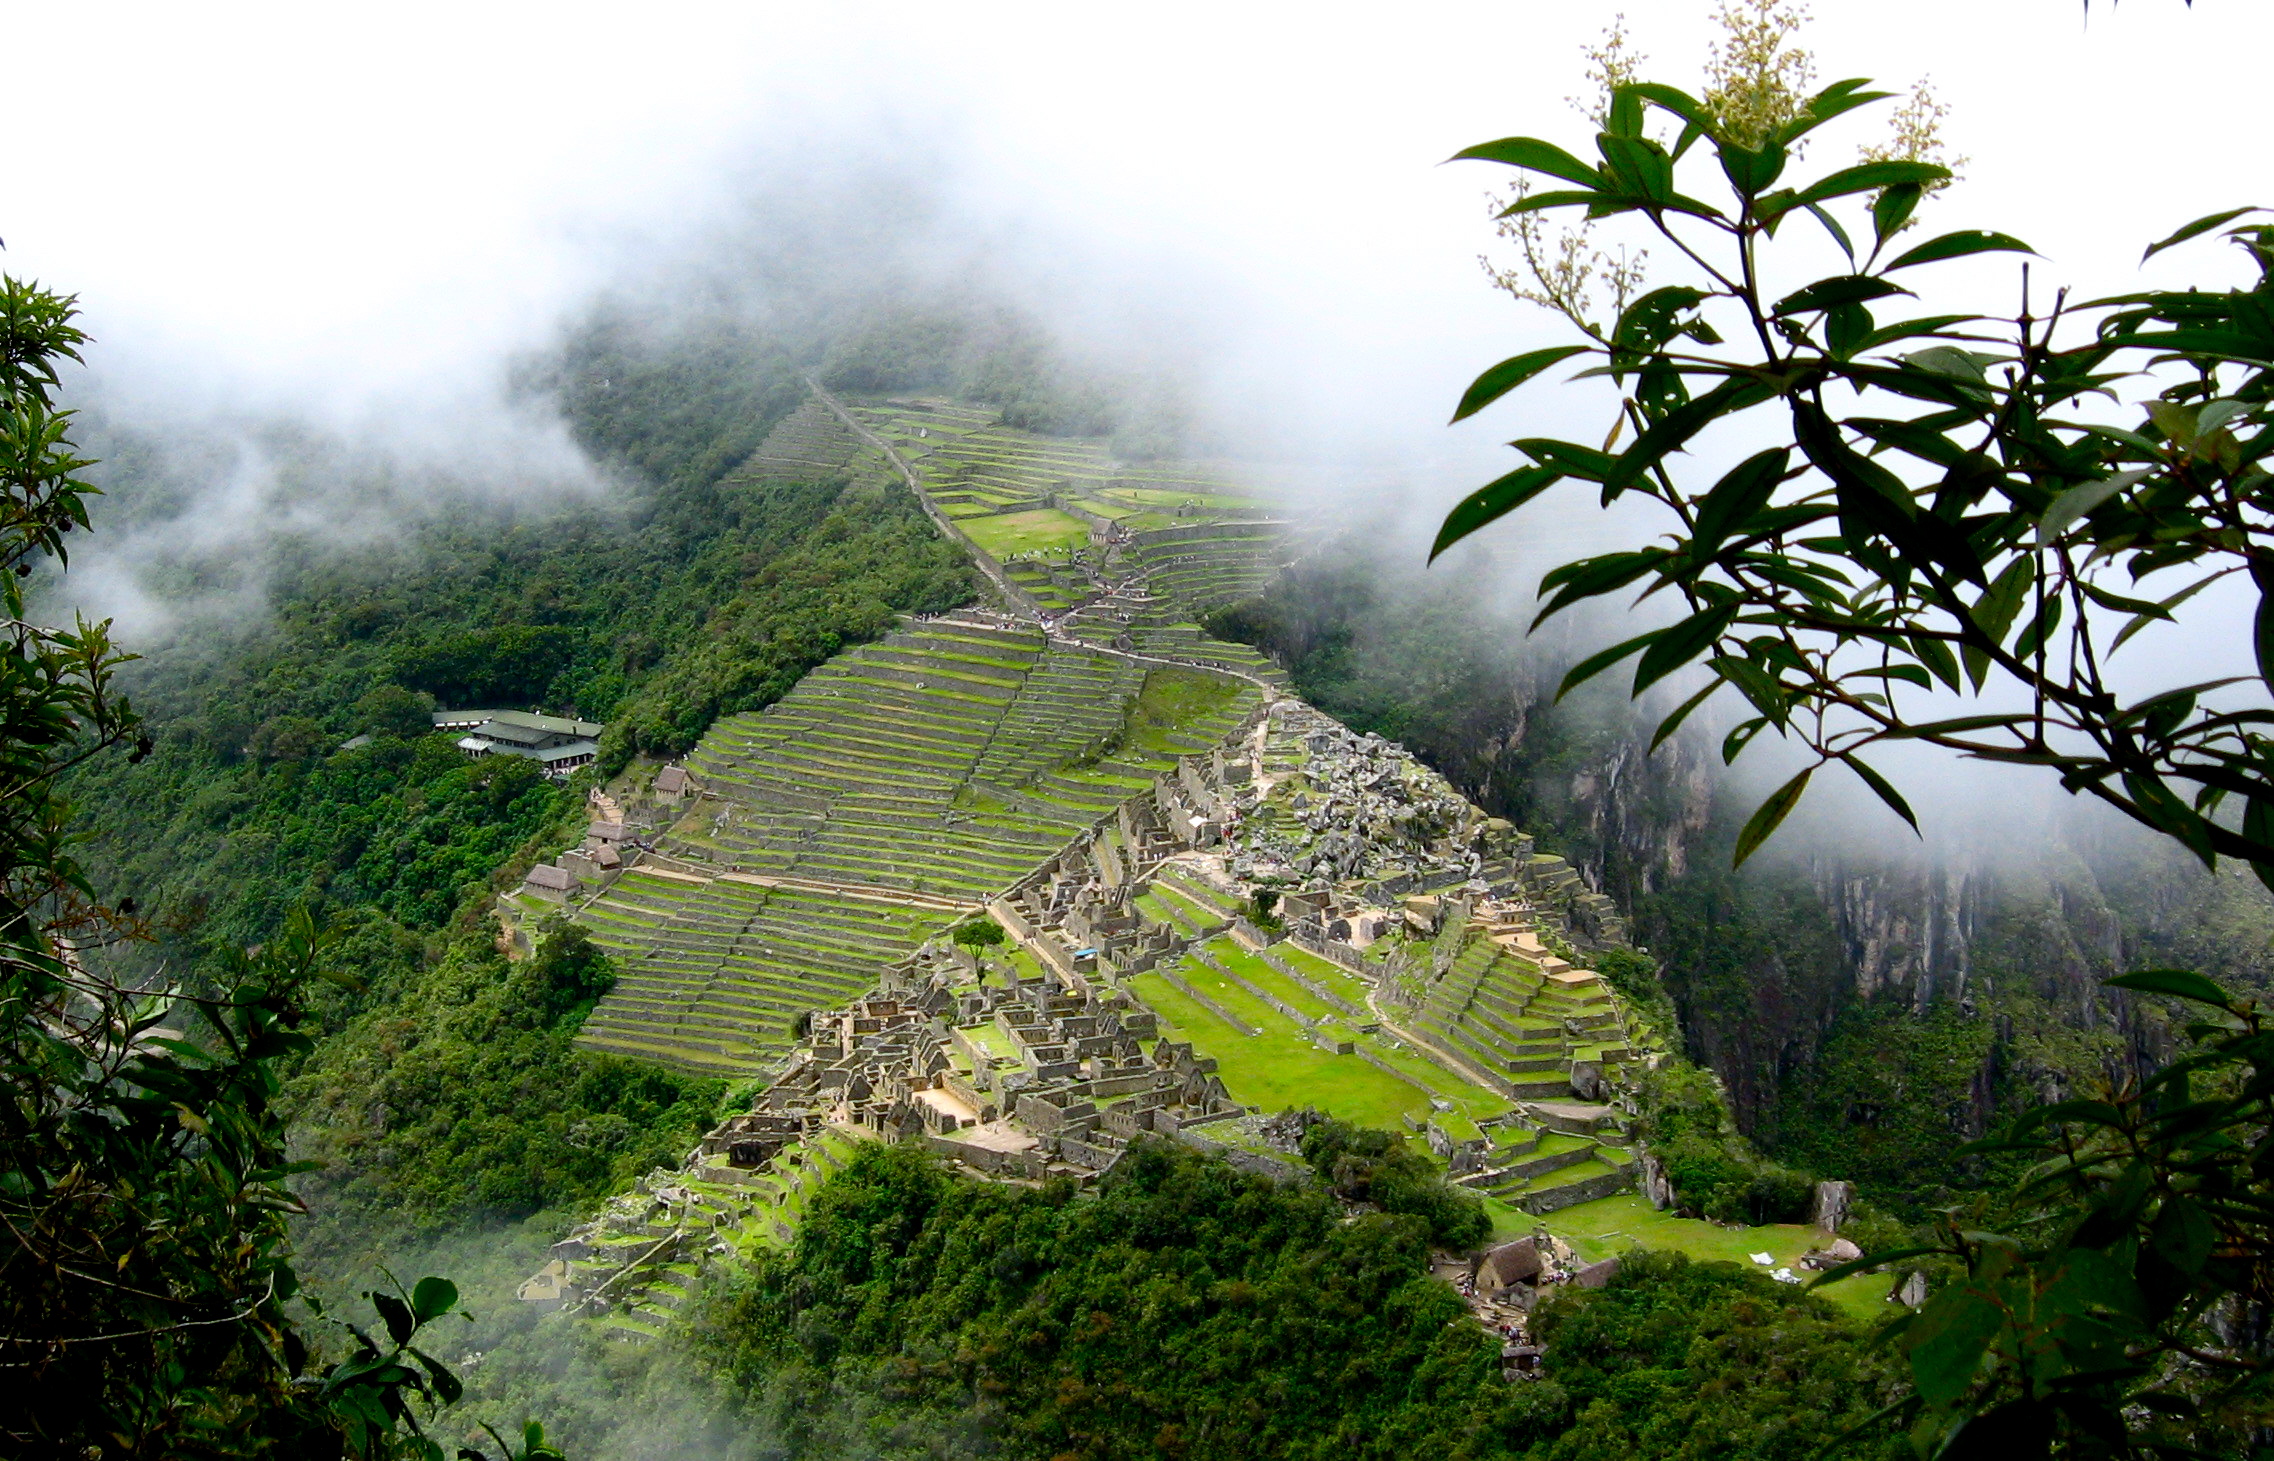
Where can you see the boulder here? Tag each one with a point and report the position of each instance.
(1657, 1187)
(1833, 1199)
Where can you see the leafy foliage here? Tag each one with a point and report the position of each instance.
(461, 1096)
(1677, 1358)
(979, 933)
(1961, 530)
(2108, 1303)
(1986, 539)
(1715, 1171)
(143, 1162)
(1191, 1309)
(1362, 1165)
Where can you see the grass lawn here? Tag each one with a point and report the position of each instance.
(1269, 980)
(1039, 530)
(1176, 496)
(1610, 1225)
(1280, 1067)
(1323, 971)
(1177, 697)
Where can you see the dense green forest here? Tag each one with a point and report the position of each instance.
(1186, 1310)
(1194, 1310)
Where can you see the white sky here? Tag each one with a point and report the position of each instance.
(340, 206)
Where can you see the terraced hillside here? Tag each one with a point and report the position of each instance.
(810, 444)
(936, 767)
(713, 973)
(898, 786)
(949, 759)
(1523, 1016)
(1074, 528)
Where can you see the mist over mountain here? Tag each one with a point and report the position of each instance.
(828, 620)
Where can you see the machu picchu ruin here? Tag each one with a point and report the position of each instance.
(1216, 903)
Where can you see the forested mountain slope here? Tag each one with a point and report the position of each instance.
(450, 1091)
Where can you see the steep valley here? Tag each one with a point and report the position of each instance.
(887, 674)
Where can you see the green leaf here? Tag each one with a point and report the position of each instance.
(1647, 324)
(1496, 499)
(2160, 808)
(1997, 608)
(1910, 329)
(1588, 668)
(1675, 647)
(1742, 491)
(1936, 656)
(1681, 713)
(2177, 983)
(2258, 826)
(1570, 458)
(2162, 610)
(1846, 327)
(1866, 176)
(1508, 375)
(1638, 166)
(2183, 1235)
(400, 1324)
(2262, 635)
(1532, 155)
(2040, 629)
(1751, 170)
(446, 1385)
(1877, 1258)
(1769, 816)
(1824, 216)
(1676, 427)
(1680, 103)
(1885, 790)
(1559, 198)
(1956, 726)
(1759, 686)
(1948, 1340)
(1958, 245)
(1840, 96)
(2193, 230)
(1625, 113)
(1892, 209)
(1733, 745)
(433, 1298)
(2081, 499)
(1838, 290)
(1590, 578)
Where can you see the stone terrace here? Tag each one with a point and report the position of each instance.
(951, 759)
(711, 975)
